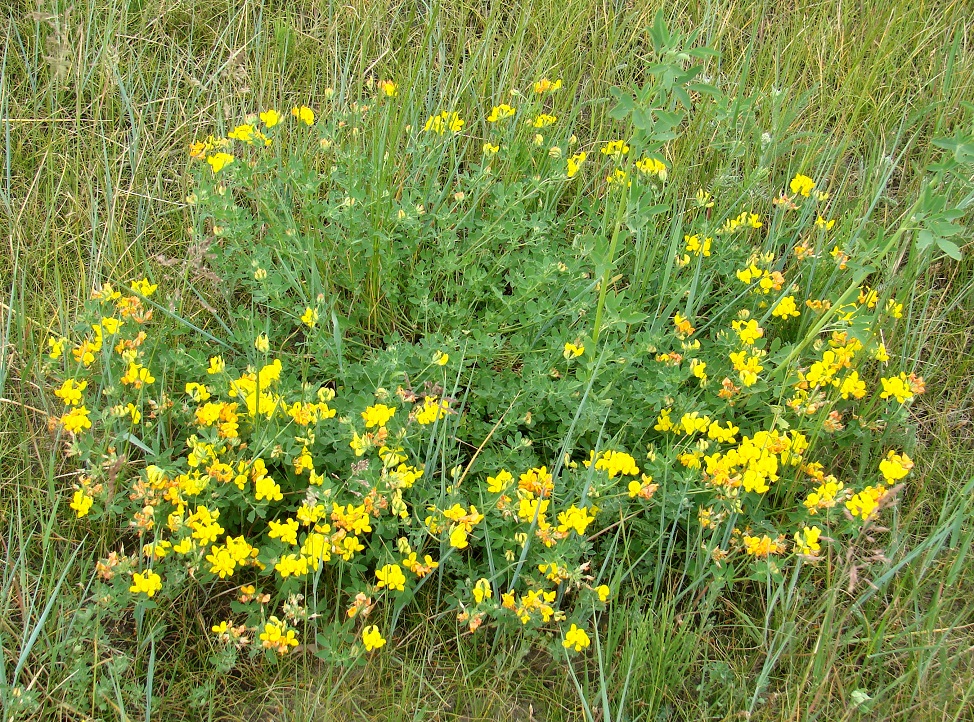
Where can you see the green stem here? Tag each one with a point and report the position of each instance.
(610, 262)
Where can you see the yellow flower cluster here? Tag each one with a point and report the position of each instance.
(444, 121)
(753, 465)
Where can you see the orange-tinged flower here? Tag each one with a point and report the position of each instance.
(762, 546)
(547, 86)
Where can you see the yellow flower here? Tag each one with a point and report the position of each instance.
(852, 385)
(603, 592)
(751, 273)
(614, 463)
(615, 147)
(143, 287)
(703, 199)
(198, 392)
(391, 576)
(310, 317)
(748, 332)
(895, 309)
(377, 415)
(458, 538)
(76, 420)
(70, 392)
(499, 112)
(865, 503)
(825, 496)
(147, 583)
(388, 88)
(432, 411)
(576, 638)
(696, 246)
(277, 636)
(292, 565)
(286, 531)
(185, 546)
(497, 484)
(699, 369)
(802, 184)
(81, 503)
(56, 347)
(651, 166)
(683, 327)
(544, 120)
(137, 376)
(266, 488)
(762, 546)
(618, 177)
(724, 436)
(270, 118)
(221, 561)
(111, 325)
(807, 540)
(786, 308)
(440, 358)
(371, 638)
(132, 412)
(261, 343)
(490, 149)
(217, 365)
(572, 351)
(898, 387)
(243, 133)
(895, 466)
(748, 367)
(482, 591)
(574, 163)
(546, 86)
(304, 114)
(574, 518)
(824, 224)
(219, 161)
(446, 120)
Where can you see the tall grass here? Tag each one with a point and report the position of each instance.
(99, 100)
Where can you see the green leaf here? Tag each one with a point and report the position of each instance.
(950, 248)
(924, 239)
